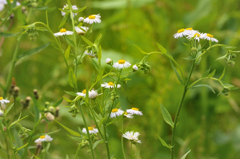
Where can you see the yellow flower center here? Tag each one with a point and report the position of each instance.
(126, 113)
(135, 109)
(91, 16)
(1, 98)
(180, 30)
(121, 61)
(114, 110)
(197, 35)
(111, 83)
(189, 28)
(63, 30)
(210, 35)
(11, 1)
(90, 128)
(84, 91)
(42, 137)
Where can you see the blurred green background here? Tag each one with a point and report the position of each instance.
(208, 124)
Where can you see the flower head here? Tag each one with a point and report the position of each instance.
(83, 93)
(135, 68)
(62, 32)
(93, 94)
(132, 136)
(93, 19)
(194, 36)
(3, 2)
(91, 130)
(65, 7)
(90, 54)
(116, 112)
(3, 102)
(184, 32)
(43, 138)
(208, 37)
(110, 85)
(128, 115)
(80, 19)
(134, 111)
(121, 64)
(82, 30)
(108, 60)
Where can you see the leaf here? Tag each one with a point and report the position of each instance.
(69, 41)
(185, 155)
(79, 9)
(18, 142)
(68, 130)
(67, 52)
(36, 108)
(95, 65)
(166, 116)
(177, 73)
(223, 73)
(199, 53)
(97, 142)
(164, 143)
(64, 20)
(71, 93)
(140, 50)
(18, 120)
(87, 41)
(189, 58)
(8, 109)
(67, 157)
(212, 73)
(206, 73)
(222, 57)
(161, 48)
(203, 85)
(7, 35)
(96, 42)
(33, 51)
(58, 103)
(72, 78)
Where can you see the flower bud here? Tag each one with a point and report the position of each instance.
(51, 109)
(35, 93)
(231, 63)
(135, 68)
(108, 61)
(57, 112)
(1, 113)
(26, 103)
(15, 92)
(49, 116)
(233, 56)
(80, 19)
(194, 49)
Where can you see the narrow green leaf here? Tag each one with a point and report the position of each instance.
(36, 109)
(64, 20)
(58, 103)
(199, 53)
(87, 41)
(220, 58)
(18, 120)
(161, 48)
(71, 93)
(189, 58)
(140, 50)
(20, 148)
(69, 41)
(223, 73)
(79, 10)
(97, 142)
(72, 78)
(95, 65)
(8, 109)
(177, 73)
(205, 74)
(18, 142)
(212, 73)
(67, 157)
(7, 35)
(97, 41)
(68, 130)
(164, 143)
(33, 51)
(67, 52)
(99, 54)
(166, 116)
(185, 155)
(203, 85)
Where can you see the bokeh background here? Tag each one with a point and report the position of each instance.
(208, 124)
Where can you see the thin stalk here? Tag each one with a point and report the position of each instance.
(179, 109)
(106, 141)
(122, 142)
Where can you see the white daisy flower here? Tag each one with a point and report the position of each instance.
(90, 54)
(1, 113)
(65, 7)
(3, 2)
(135, 68)
(92, 19)
(83, 93)
(132, 136)
(208, 37)
(82, 30)
(108, 60)
(134, 111)
(43, 138)
(80, 19)
(194, 36)
(62, 32)
(110, 85)
(91, 130)
(3, 102)
(121, 64)
(128, 115)
(93, 94)
(116, 112)
(184, 32)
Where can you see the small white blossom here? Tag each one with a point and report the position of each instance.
(208, 37)
(81, 30)
(3, 102)
(3, 2)
(91, 130)
(132, 136)
(108, 60)
(93, 94)
(83, 93)
(93, 19)
(65, 7)
(49, 116)
(110, 85)
(1, 113)
(128, 115)
(43, 138)
(121, 64)
(62, 32)
(134, 111)
(90, 54)
(184, 32)
(135, 68)
(80, 19)
(116, 112)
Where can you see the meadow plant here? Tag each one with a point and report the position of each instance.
(98, 103)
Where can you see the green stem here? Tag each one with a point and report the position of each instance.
(179, 109)
(122, 142)
(106, 141)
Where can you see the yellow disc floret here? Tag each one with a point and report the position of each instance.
(180, 30)
(1, 98)
(90, 128)
(91, 16)
(114, 110)
(121, 61)
(111, 83)
(135, 109)
(63, 30)
(84, 91)
(189, 28)
(210, 35)
(42, 137)
(197, 35)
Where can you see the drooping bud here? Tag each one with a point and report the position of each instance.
(57, 112)
(35, 93)
(12, 86)
(15, 92)
(233, 56)
(226, 91)
(26, 103)
(231, 63)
